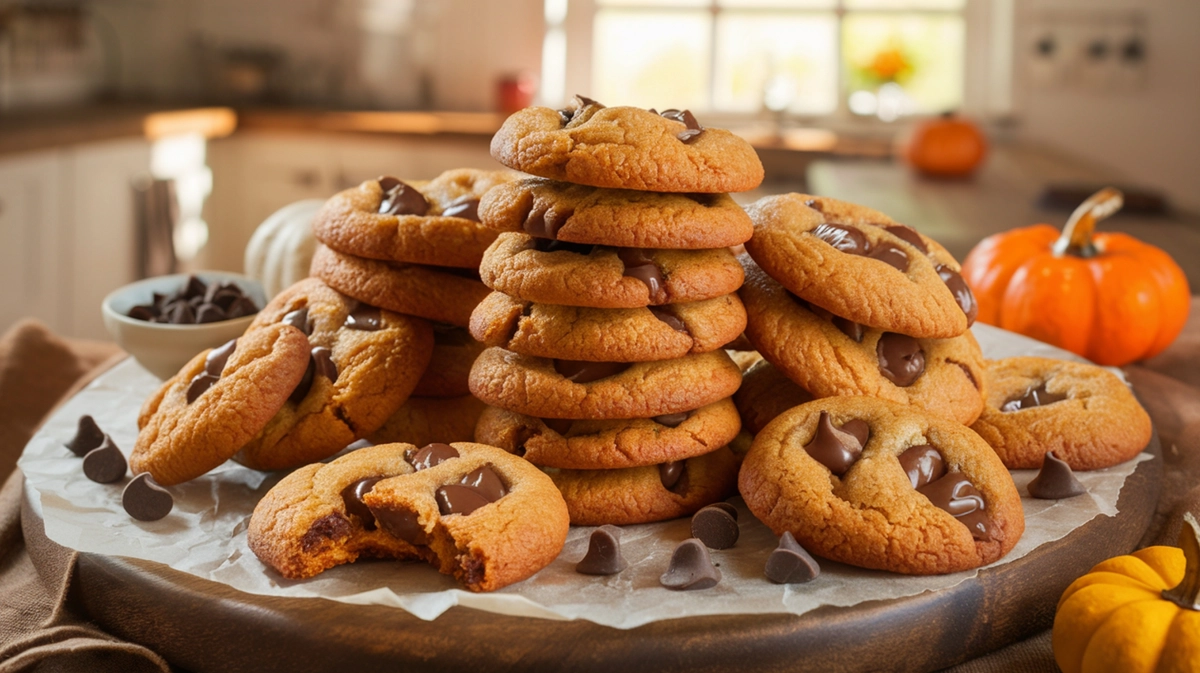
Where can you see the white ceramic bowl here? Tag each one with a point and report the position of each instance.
(164, 349)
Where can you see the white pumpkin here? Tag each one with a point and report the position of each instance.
(281, 249)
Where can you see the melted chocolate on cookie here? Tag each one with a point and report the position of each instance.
(842, 237)
(923, 464)
(962, 293)
(478, 488)
(1034, 397)
(214, 364)
(901, 359)
(365, 318)
(837, 447)
(955, 494)
(466, 207)
(352, 500)
(579, 371)
(688, 119)
(400, 198)
(544, 222)
(639, 265)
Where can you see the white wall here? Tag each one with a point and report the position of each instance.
(1149, 134)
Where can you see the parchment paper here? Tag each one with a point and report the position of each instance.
(205, 534)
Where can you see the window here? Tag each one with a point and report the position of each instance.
(809, 58)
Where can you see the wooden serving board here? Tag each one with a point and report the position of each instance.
(201, 626)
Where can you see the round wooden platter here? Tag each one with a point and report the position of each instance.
(199, 625)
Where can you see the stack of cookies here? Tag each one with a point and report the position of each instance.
(843, 300)
(614, 292)
(414, 248)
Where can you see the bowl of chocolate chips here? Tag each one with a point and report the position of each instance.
(165, 321)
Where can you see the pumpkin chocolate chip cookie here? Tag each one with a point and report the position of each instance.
(433, 222)
(365, 363)
(440, 294)
(618, 217)
(472, 511)
(553, 272)
(217, 403)
(626, 148)
(547, 388)
(766, 393)
(601, 334)
(454, 351)
(860, 264)
(1083, 413)
(649, 493)
(582, 444)
(828, 355)
(882, 485)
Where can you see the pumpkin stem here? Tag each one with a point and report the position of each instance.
(1076, 236)
(1187, 594)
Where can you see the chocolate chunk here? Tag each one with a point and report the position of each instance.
(727, 508)
(194, 287)
(432, 454)
(196, 303)
(324, 365)
(923, 464)
(1055, 481)
(1034, 397)
(105, 463)
(242, 306)
(578, 106)
(352, 498)
(143, 312)
(222, 294)
(331, 527)
(715, 528)
(545, 221)
(365, 318)
(815, 204)
(88, 436)
(849, 328)
(836, 447)
(207, 313)
(144, 500)
(672, 420)
(305, 385)
(604, 553)
(299, 320)
(180, 313)
(961, 291)
(892, 255)
(466, 207)
(672, 321)
(199, 384)
(955, 494)
(476, 489)
(688, 119)
(842, 237)
(901, 359)
(560, 425)
(402, 524)
(400, 198)
(579, 371)
(638, 264)
(791, 563)
(908, 235)
(690, 568)
(671, 474)
(555, 245)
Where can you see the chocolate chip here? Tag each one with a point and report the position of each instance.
(365, 318)
(844, 238)
(88, 436)
(578, 105)
(400, 198)
(196, 303)
(908, 235)
(691, 568)
(579, 371)
(639, 265)
(476, 489)
(837, 447)
(1034, 397)
(901, 359)
(555, 245)
(955, 494)
(961, 291)
(671, 321)
(352, 498)
(144, 500)
(670, 474)
(544, 221)
(715, 528)
(890, 254)
(560, 425)
(790, 563)
(324, 365)
(432, 454)
(403, 524)
(305, 385)
(242, 306)
(194, 287)
(923, 464)
(727, 508)
(199, 385)
(604, 553)
(672, 420)
(688, 119)
(849, 328)
(181, 313)
(815, 204)
(209, 313)
(466, 207)
(299, 320)
(214, 365)
(143, 312)
(1055, 481)
(105, 463)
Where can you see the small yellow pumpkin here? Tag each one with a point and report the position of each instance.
(1134, 613)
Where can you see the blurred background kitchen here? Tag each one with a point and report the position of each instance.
(138, 137)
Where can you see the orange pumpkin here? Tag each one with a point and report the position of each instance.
(1108, 297)
(946, 146)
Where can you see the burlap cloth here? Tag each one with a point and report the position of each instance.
(43, 628)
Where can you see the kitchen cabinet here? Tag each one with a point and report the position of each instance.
(69, 232)
(256, 173)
